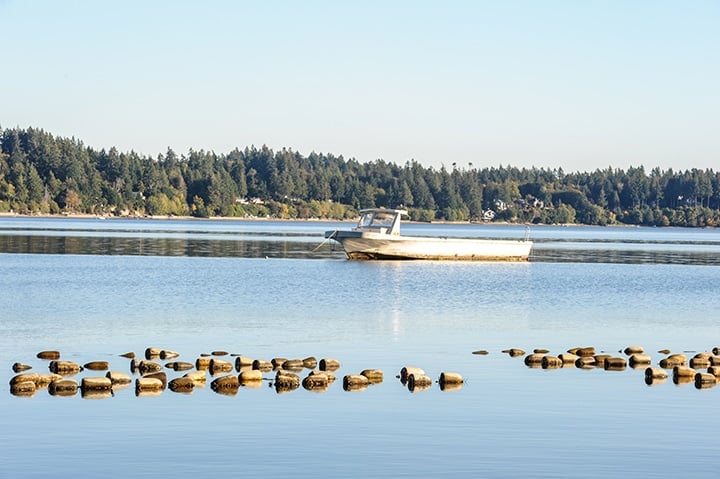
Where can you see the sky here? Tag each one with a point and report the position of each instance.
(575, 84)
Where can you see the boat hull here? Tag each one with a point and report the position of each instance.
(367, 246)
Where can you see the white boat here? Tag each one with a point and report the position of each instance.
(377, 236)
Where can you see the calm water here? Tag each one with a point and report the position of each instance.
(94, 289)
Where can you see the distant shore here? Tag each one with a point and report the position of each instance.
(162, 217)
(260, 219)
(213, 218)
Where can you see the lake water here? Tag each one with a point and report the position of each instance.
(94, 289)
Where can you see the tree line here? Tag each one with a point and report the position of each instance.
(44, 174)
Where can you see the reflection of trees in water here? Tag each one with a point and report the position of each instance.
(625, 256)
(33, 244)
(283, 248)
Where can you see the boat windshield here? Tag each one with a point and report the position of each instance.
(377, 220)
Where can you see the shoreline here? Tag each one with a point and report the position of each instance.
(88, 216)
(349, 221)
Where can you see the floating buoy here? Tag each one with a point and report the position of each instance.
(329, 365)
(218, 366)
(406, 371)
(118, 379)
(310, 362)
(66, 368)
(286, 381)
(242, 362)
(168, 354)
(586, 362)
(20, 367)
(714, 370)
(481, 352)
(664, 351)
(656, 373)
(714, 360)
(160, 376)
(134, 365)
(716, 351)
(568, 358)
(637, 360)
(146, 386)
(541, 351)
(630, 350)
(534, 360)
(262, 365)
(615, 364)
(202, 363)
(449, 379)
(129, 355)
(97, 365)
(600, 359)
(374, 376)
(582, 352)
(287, 378)
(316, 382)
(705, 380)
(24, 377)
(418, 382)
(197, 377)
(23, 388)
(355, 382)
(227, 385)
(219, 353)
(277, 362)
(250, 376)
(63, 387)
(701, 362)
(672, 361)
(48, 355)
(514, 352)
(182, 385)
(152, 353)
(330, 376)
(180, 366)
(147, 367)
(683, 371)
(96, 384)
(293, 365)
(551, 362)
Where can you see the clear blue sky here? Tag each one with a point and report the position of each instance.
(577, 84)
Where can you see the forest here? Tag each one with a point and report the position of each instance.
(44, 174)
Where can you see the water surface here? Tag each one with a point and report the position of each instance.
(259, 289)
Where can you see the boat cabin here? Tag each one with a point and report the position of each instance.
(380, 220)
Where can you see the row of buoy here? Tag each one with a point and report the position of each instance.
(417, 380)
(702, 369)
(153, 379)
